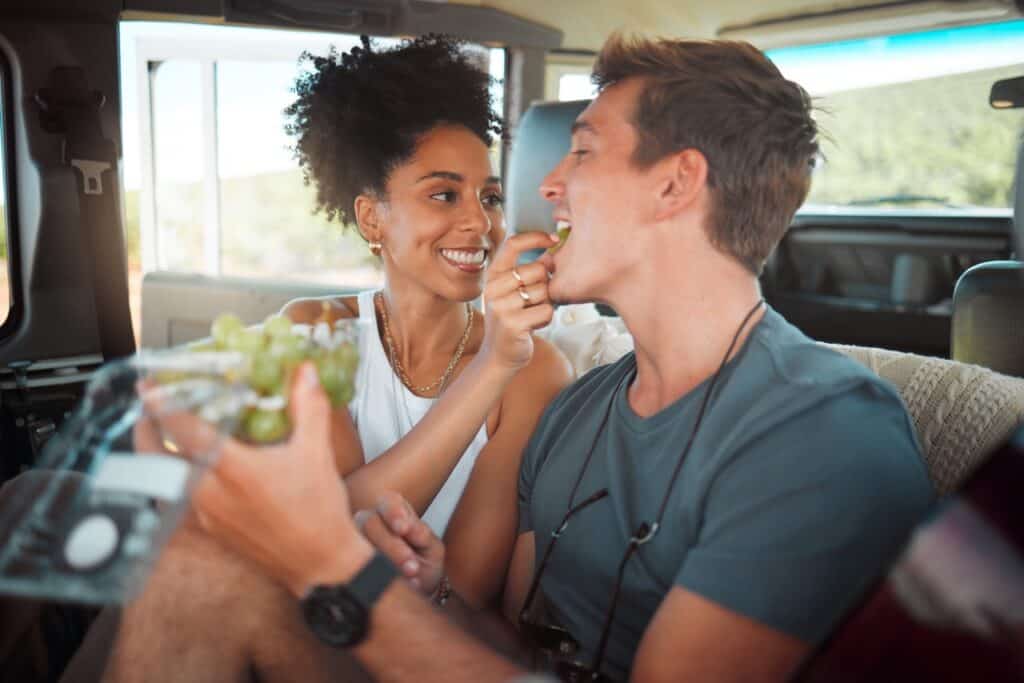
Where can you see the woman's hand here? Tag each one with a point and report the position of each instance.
(516, 300)
(395, 530)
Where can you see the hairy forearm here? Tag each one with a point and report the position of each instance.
(419, 464)
(411, 641)
(488, 625)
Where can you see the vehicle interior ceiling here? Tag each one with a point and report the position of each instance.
(857, 275)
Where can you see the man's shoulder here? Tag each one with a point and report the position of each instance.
(806, 399)
(790, 373)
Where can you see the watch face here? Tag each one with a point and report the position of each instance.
(335, 616)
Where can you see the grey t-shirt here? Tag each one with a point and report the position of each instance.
(802, 485)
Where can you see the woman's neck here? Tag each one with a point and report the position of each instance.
(423, 326)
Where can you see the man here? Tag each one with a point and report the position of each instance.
(705, 508)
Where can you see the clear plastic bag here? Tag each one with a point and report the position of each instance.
(111, 486)
(87, 524)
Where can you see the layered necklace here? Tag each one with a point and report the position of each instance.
(441, 382)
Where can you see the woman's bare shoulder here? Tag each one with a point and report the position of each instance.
(312, 310)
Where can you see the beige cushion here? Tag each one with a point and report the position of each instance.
(961, 411)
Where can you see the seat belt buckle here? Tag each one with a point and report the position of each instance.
(92, 174)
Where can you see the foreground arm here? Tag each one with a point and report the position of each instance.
(395, 530)
(410, 640)
(283, 507)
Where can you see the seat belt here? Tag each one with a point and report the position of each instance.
(69, 108)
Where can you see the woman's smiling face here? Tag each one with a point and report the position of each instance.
(442, 217)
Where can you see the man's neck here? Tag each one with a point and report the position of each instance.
(683, 318)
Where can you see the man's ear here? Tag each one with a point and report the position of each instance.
(683, 180)
(368, 218)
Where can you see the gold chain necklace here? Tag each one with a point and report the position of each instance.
(441, 381)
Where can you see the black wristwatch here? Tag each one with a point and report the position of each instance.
(339, 614)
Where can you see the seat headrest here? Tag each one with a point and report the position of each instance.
(988, 315)
(540, 142)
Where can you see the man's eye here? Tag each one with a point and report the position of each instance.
(446, 196)
(579, 154)
(494, 200)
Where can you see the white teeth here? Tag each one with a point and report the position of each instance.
(470, 258)
(561, 225)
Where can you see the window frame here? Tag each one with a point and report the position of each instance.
(207, 52)
(9, 187)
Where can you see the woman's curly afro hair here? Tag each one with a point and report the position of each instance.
(359, 114)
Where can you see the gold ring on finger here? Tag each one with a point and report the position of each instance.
(523, 294)
(517, 276)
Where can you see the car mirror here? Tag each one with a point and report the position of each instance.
(1007, 93)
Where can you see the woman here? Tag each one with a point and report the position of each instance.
(396, 143)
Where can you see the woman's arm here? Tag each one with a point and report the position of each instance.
(419, 464)
(348, 450)
(482, 532)
(422, 460)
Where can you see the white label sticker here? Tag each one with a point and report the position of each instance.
(156, 476)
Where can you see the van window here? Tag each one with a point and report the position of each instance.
(907, 118)
(6, 300)
(211, 184)
(567, 77)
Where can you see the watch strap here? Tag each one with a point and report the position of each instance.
(372, 580)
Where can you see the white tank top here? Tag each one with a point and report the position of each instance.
(384, 411)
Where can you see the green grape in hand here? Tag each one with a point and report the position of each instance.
(265, 426)
(246, 341)
(267, 373)
(277, 326)
(223, 327)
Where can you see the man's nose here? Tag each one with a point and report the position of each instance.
(553, 186)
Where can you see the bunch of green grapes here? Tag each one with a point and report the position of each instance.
(272, 353)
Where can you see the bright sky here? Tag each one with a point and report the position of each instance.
(252, 95)
(854, 64)
(864, 63)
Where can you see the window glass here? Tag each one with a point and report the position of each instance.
(576, 87)
(267, 224)
(907, 120)
(5, 271)
(567, 77)
(260, 221)
(496, 66)
(178, 164)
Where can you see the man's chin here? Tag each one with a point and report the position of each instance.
(561, 292)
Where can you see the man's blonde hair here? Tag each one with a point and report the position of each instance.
(728, 101)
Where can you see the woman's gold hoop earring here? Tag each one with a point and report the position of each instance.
(376, 248)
